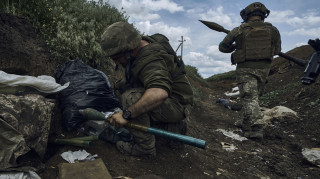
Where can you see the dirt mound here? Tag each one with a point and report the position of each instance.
(22, 49)
(285, 86)
(277, 156)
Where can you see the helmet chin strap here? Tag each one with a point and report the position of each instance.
(129, 59)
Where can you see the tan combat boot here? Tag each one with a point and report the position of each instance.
(130, 148)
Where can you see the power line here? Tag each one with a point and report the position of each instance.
(181, 45)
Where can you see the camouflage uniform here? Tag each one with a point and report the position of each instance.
(251, 75)
(24, 125)
(153, 67)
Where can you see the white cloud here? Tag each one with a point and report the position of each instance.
(219, 16)
(314, 32)
(289, 17)
(214, 52)
(308, 19)
(206, 65)
(168, 5)
(279, 16)
(145, 9)
(172, 33)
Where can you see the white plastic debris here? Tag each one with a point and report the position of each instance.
(278, 112)
(228, 147)
(234, 92)
(235, 89)
(70, 156)
(43, 83)
(232, 135)
(312, 155)
(19, 175)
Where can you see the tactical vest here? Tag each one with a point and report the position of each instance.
(256, 42)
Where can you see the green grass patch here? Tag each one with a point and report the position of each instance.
(197, 93)
(193, 73)
(314, 104)
(273, 95)
(71, 28)
(231, 75)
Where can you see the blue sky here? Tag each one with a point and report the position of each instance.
(297, 20)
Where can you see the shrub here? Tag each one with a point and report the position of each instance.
(231, 75)
(71, 28)
(193, 73)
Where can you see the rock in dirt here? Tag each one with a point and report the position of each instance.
(312, 155)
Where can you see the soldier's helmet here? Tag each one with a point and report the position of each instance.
(254, 9)
(119, 37)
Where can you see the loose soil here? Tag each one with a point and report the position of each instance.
(277, 156)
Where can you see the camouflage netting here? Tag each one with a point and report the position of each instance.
(24, 125)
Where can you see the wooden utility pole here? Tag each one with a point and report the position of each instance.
(181, 44)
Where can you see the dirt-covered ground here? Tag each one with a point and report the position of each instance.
(277, 156)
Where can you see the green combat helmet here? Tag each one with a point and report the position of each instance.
(118, 38)
(254, 9)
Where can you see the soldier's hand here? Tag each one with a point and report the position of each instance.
(117, 120)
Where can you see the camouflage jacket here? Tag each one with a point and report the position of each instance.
(153, 68)
(235, 35)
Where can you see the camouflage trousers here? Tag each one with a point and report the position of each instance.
(24, 125)
(251, 83)
(170, 112)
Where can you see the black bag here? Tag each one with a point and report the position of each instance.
(89, 88)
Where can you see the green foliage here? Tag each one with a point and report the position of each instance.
(314, 104)
(270, 96)
(193, 73)
(273, 95)
(71, 28)
(9, 6)
(80, 26)
(231, 75)
(39, 12)
(197, 94)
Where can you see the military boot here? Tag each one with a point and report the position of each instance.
(130, 148)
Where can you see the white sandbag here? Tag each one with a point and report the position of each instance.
(278, 112)
(43, 83)
(235, 92)
(312, 155)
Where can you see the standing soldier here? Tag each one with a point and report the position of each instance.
(256, 42)
(155, 89)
